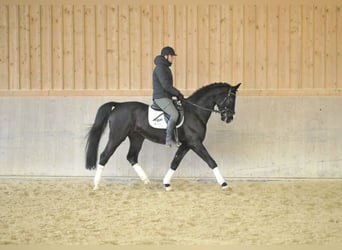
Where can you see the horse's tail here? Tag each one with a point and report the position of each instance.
(95, 132)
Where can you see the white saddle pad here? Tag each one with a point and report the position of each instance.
(156, 119)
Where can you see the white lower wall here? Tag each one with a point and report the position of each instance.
(271, 137)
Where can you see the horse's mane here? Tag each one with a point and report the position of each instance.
(203, 90)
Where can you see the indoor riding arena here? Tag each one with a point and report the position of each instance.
(281, 155)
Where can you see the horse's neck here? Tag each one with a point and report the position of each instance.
(206, 101)
(203, 105)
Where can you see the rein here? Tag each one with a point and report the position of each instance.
(213, 110)
(205, 109)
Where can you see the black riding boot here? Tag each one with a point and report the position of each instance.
(169, 133)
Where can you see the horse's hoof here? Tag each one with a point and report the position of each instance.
(168, 187)
(225, 187)
(96, 187)
(147, 181)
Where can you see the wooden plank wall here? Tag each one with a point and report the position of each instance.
(78, 48)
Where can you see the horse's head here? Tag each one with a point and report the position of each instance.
(226, 105)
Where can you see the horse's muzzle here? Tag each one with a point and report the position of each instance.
(227, 117)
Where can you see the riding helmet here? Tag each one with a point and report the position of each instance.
(168, 51)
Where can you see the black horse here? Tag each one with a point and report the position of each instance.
(130, 119)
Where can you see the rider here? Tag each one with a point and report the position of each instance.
(163, 89)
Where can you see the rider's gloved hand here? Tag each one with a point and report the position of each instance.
(180, 97)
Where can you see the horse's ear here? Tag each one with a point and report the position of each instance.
(237, 86)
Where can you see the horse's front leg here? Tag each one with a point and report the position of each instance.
(202, 152)
(181, 152)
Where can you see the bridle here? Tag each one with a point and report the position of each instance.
(225, 110)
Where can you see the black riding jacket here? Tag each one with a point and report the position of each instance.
(162, 79)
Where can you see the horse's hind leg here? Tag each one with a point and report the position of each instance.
(112, 144)
(136, 141)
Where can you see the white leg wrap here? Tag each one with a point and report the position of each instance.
(98, 175)
(168, 176)
(141, 173)
(218, 176)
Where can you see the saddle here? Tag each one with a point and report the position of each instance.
(158, 119)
